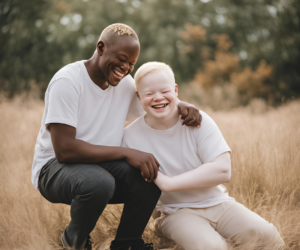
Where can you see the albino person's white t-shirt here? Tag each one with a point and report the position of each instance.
(98, 115)
(180, 149)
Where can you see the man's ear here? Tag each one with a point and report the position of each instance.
(176, 89)
(100, 48)
(138, 96)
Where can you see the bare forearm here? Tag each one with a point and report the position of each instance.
(69, 149)
(208, 175)
(79, 151)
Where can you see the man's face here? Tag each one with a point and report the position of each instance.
(118, 60)
(157, 93)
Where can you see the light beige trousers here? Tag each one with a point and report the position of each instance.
(214, 227)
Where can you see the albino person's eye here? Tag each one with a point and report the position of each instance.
(167, 91)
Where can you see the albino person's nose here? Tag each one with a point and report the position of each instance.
(158, 96)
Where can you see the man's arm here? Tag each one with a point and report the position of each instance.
(68, 149)
(211, 174)
(190, 115)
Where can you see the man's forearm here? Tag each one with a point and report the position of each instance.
(79, 151)
(190, 115)
(69, 149)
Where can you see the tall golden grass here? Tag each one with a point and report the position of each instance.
(265, 176)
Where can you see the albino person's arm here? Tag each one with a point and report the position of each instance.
(210, 174)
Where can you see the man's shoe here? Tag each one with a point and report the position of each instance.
(145, 246)
(140, 245)
(87, 246)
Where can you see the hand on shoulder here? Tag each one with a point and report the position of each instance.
(190, 115)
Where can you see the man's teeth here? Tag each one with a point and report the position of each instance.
(118, 73)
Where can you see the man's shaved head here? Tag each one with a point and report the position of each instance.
(111, 34)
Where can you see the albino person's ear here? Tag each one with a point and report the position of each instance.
(176, 89)
(100, 48)
(138, 96)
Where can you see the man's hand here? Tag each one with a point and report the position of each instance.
(189, 114)
(146, 162)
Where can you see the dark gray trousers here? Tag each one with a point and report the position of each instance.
(88, 188)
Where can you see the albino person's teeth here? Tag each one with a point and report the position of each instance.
(159, 106)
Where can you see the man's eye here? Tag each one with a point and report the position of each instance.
(121, 60)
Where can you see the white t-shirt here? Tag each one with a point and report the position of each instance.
(178, 150)
(98, 115)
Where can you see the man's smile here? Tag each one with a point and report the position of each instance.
(118, 74)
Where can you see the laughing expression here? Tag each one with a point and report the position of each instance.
(117, 60)
(157, 93)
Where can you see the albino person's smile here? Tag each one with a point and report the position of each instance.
(160, 107)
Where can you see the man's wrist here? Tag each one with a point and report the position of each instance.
(124, 153)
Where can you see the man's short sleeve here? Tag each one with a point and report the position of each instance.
(135, 108)
(210, 141)
(63, 103)
(124, 145)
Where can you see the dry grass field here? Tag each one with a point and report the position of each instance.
(265, 176)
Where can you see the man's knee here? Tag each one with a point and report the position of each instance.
(96, 183)
(134, 180)
(134, 176)
(128, 172)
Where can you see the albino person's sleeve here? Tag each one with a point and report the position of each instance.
(135, 109)
(210, 141)
(63, 103)
(216, 165)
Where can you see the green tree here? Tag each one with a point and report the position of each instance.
(38, 37)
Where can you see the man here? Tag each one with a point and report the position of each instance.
(195, 210)
(78, 159)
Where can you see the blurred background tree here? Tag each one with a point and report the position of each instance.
(252, 47)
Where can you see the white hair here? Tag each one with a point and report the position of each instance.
(151, 67)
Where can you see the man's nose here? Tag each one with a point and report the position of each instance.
(125, 67)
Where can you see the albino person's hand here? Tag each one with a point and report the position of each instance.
(190, 115)
(146, 162)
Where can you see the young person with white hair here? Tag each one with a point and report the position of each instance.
(195, 211)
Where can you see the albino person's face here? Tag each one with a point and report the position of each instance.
(157, 93)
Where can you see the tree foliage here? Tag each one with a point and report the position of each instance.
(40, 36)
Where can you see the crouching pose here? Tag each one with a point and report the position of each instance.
(78, 159)
(194, 209)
